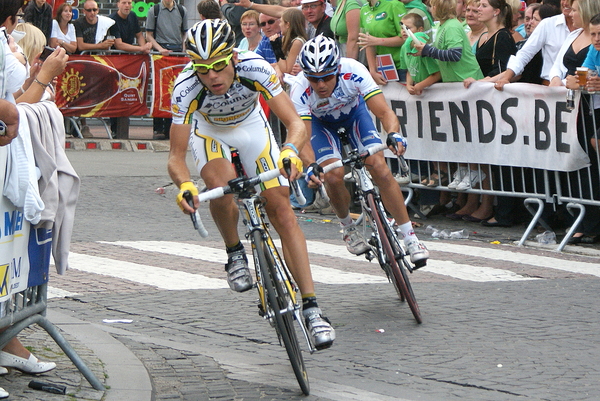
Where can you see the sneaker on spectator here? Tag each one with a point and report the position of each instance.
(238, 273)
(354, 241)
(418, 253)
(472, 178)
(458, 177)
(402, 179)
(158, 136)
(319, 327)
(85, 131)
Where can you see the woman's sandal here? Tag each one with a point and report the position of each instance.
(434, 180)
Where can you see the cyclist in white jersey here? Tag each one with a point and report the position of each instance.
(215, 107)
(334, 92)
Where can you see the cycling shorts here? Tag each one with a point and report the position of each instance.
(360, 128)
(253, 138)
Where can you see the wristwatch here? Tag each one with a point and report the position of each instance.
(2, 128)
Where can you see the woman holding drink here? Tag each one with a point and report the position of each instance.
(565, 72)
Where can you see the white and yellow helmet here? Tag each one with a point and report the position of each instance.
(210, 38)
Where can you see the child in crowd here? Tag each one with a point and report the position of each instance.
(422, 71)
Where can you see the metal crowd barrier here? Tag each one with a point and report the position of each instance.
(29, 307)
(25, 252)
(539, 189)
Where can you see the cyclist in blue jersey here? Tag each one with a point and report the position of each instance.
(335, 92)
(215, 107)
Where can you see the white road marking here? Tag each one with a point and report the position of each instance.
(442, 267)
(320, 273)
(54, 292)
(518, 257)
(151, 275)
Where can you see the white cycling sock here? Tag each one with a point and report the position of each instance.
(406, 231)
(346, 221)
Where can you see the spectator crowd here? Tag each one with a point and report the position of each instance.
(501, 41)
(429, 42)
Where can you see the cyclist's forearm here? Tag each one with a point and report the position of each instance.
(176, 165)
(297, 135)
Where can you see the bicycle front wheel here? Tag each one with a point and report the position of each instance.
(280, 302)
(392, 250)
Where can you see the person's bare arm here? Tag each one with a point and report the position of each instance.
(71, 47)
(273, 10)
(177, 167)
(150, 39)
(104, 45)
(10, 116)
(284, 109)
(53, 66)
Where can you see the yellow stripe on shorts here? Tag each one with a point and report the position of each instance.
(265, 162)
(212, 149)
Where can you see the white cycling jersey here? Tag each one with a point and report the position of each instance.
(354, 81)
(191, 99)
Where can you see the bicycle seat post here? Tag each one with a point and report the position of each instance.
(237, 163)
(345, 139)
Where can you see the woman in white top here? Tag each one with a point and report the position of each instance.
(63, 32)
(251, 30)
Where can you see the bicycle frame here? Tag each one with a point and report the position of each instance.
(278, 294)
(252, 209)
(382, 237)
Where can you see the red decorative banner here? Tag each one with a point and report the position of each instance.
(165, 71)
(104, 86)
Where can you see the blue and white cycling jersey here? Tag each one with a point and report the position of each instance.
(254, 76)
(354, 82)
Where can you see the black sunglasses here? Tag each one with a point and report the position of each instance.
(91, 10)
(270, 22)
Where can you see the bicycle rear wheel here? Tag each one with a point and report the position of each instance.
(280, 301)
(391, 249)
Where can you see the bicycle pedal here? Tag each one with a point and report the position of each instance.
(420, 264)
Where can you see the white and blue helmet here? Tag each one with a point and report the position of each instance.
(320, 54)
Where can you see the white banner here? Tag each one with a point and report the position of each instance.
(524, 125)
(24, 251)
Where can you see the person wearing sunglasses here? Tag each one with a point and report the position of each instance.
(215, 107)
(334, 92)
(269, 26)
(90, 30)
(317, 13)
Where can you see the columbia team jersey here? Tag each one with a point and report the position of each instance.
(191, 99)
(354, 81)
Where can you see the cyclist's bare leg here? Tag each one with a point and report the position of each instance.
(391, 195)
(339, 196)
(216, 173)
(284, 221)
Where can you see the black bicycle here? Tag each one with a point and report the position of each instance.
(378, 229)
(279, 302)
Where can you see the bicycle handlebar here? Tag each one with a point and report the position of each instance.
(300, 198)
(369, 152)
(227, 189)
(196, 220)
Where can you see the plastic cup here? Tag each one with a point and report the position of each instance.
(591, 74)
